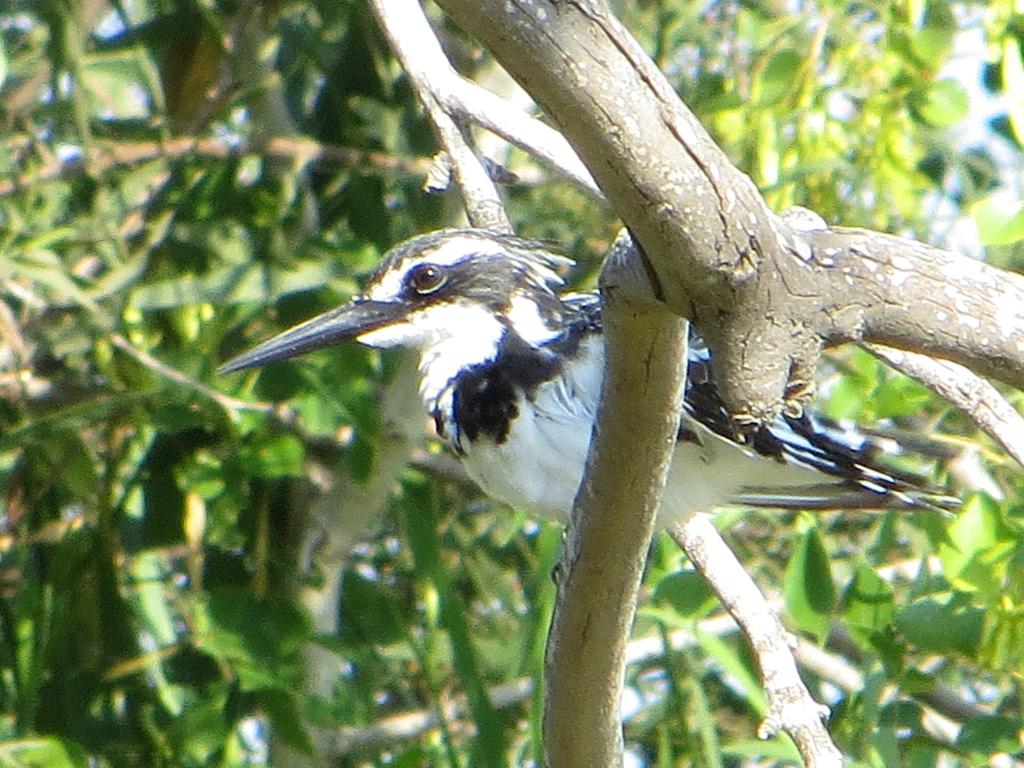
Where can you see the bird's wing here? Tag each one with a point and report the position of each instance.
(855, 474)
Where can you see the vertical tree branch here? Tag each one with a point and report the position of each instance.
(612, 521)
(768, 295)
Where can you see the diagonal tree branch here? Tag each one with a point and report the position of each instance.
(479, 105)
(421, 57)
(790, 706)
(968, 391)
(983, 402)
(585, 657)
(453, 102)
(581, 716)
(601, 574)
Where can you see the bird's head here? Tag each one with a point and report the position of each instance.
(460, 288)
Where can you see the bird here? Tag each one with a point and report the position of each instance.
(510, 370)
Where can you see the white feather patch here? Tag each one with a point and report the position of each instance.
(526, 320)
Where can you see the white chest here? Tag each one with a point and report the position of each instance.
(540, 463)
(539, 466)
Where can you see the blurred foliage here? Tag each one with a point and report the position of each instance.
(160, 210)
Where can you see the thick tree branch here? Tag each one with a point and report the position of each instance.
(990, 410)
(913, 296)
(601, 573)
(606, 547)
(750, 265)
(585, 659)
(768, 296)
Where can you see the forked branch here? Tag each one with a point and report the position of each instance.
(767, 296)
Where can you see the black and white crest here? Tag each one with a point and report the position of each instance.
(483, 267)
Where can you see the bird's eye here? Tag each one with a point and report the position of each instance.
(426, 278)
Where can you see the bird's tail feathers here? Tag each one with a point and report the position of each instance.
(847, 495)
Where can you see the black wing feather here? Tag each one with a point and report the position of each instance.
(808, 440)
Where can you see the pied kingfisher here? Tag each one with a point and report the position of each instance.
(510, 370)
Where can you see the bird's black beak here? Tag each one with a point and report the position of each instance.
(342, 324)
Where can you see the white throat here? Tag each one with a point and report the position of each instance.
(458, 336)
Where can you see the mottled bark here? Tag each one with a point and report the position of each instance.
(767, 295)
(612, 522)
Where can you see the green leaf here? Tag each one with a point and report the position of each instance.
(917, 683)
(901, 714)
(935, 39)
(978, 545)
(687, 592)
(780, 76)
(76, 463)
(153, 608)
(900, 396)
(277, 456)
(1003, 646)
(933, 626)
(1000, 219)
(942, 103)
(868, 601)
(809, 592)
(284, 714)
(44, 752)
(117, 84)
(260, 639)
(370, 613)
(850, 397)
(1013, 83)
(986, 734)
(737, 666)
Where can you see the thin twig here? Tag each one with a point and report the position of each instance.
(409, 725)
(479, 105)
(967, 391)
(790, 706)
(108, 155)
(417, 49)
(282, 413)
